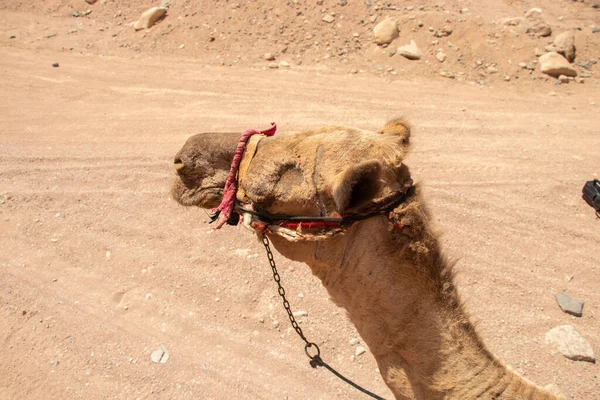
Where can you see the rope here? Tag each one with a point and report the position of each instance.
(317, 361)
(223, 212)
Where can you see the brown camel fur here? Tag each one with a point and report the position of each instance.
(395, 284)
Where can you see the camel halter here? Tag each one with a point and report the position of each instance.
(290, 227)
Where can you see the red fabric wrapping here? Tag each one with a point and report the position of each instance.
(231, 186)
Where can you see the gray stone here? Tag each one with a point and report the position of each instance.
(160, 355)
(441, 56)
(595, 29)
(149, 18)
(567, 303)
(566, 340)
(410, 51)
(55, 65)
(565, 44)
(555, 65)
(385, 31)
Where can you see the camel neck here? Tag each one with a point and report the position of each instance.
(399, 292)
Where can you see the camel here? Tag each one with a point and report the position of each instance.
(387, 271)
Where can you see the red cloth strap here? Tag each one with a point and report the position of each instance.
(231, 186)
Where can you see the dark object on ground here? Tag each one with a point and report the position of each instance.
(591, 194)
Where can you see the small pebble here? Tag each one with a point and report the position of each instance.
(55, 65)
(359, 350)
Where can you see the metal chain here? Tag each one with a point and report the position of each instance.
(288, 308)
(315, 360)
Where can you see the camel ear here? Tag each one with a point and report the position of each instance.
(356, 186)
(400, 128)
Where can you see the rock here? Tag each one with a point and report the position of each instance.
(149, 18)
(385, 31)
(586, 64)
(565, 44)
(90, 1)
(160, 355)
(539, 28)
(410, 51)
(564, 79)
(300, 313)
(55, 65)
(328, 18)
(441, 56)
(554, 64)
(359, 350)
(284, 64)
(269, 56)
(535, 24)
(445, 31)
(273, 65)
(491, 69)
(354, 71)
(447, 74)
(595, 29)
(570, 343)
(567, 303)
(354, 341)
(533, 12)
(512, 21)
(538, 52)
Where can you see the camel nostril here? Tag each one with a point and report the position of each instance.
(178, 164)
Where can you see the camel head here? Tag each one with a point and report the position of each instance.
(329, 171)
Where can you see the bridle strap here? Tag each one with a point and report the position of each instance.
(378, 207)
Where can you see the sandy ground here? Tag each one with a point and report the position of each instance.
(99, 266)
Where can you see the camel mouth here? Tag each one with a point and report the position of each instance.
(191, 195)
